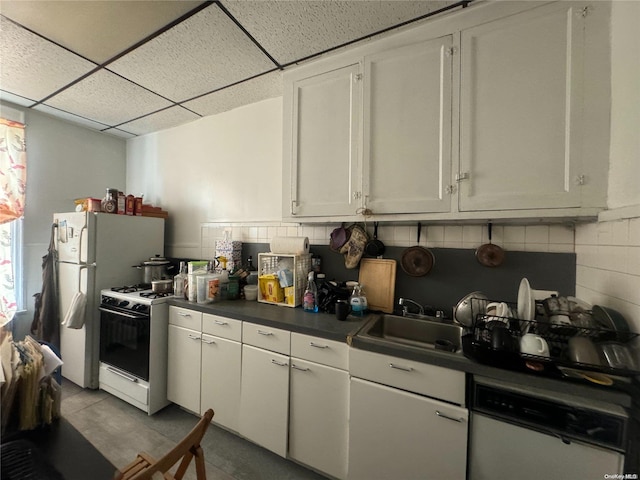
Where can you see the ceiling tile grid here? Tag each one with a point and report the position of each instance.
(153, 56)
(293, 30)
(107, 98)
(203, 53)
(33, 67)
(252, 91)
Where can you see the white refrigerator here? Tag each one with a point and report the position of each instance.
(97, 251)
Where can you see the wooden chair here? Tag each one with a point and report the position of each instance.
(144, 467)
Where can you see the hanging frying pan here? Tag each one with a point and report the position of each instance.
(489, 254)
(417, 261)
(374, 247)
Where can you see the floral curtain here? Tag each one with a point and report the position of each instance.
(13, 175)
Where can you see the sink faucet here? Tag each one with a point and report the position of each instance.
(403, 301)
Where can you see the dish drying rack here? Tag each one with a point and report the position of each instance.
(477, 342)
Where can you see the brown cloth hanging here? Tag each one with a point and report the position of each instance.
(46, 319)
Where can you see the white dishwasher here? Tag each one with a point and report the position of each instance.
(526, 433)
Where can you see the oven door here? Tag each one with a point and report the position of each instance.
(124, 340)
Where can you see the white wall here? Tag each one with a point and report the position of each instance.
(225, 167)
(64, 162)
(608, 253)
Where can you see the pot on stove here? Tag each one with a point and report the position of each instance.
(156, 268)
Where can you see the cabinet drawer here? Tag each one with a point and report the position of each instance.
(222, 327)
(183, 317)
(110, 380)
(422, 378)
(268, 338)
(326, 352)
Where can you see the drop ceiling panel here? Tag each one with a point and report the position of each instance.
(107, 98)
(292, 30)
(33, 67)
(70, 117)
(97, 30)
(255, 90)
(168, 118)
(201, 54)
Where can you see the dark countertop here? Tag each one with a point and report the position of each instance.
(327, 326)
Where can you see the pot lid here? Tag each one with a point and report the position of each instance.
(157, 260)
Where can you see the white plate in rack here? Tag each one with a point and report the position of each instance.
(526, 303)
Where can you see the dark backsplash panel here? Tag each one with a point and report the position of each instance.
(456, 273)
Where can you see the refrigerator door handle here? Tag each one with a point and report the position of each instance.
(85, 265)
(82, 230)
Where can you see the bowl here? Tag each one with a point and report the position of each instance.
(471, 305)
(251, 292)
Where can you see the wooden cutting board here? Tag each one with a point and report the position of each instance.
(378, 278)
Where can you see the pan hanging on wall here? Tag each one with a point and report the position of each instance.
(490, 254)
(417, 261)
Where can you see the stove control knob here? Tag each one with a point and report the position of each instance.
(123, 303)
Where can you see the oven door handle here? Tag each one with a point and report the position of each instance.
(119, 312)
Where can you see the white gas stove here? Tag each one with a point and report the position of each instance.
(133, 345)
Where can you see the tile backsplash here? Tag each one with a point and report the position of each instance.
(608, 266)
(530, 238)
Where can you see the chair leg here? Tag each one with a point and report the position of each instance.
(184, 464)
(201, 472)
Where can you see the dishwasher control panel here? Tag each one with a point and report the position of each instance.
(557, 418)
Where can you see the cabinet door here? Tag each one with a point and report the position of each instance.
(318, 417)
(220, 388)
(264, 398)
(396, 434)
(183, 367)
(407, 128)
(324, 156)
(521, 111)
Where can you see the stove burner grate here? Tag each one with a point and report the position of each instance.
(131, 288)
(153, 295)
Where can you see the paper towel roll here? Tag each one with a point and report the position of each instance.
(290, 245)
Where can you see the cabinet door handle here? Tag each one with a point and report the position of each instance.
(280, 364)
(194, 337)
(442, 415)
(220, 322)
(263, 332)
(182, 314)
(318, 345)
(398, 367)
(208, 342)
(293, 365)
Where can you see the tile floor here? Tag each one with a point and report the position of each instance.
(119, 430)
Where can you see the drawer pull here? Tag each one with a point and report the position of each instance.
(442, 415)
(220, 322)
(123, 375)
(263, 332)
(208, 342)
(183, 314)
(194, 337)
(293, 365)
(280, 364)
(317, 345)
(398, 367)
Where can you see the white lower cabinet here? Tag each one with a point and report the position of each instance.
(264, 398)
(183, 368)
(319, 405)
(221, 369)
(401, 435)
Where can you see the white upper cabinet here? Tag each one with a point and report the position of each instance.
(407, 128)
(521, 102)
(498, 111)
(323, 149)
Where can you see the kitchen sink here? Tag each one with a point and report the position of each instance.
(416, 331)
